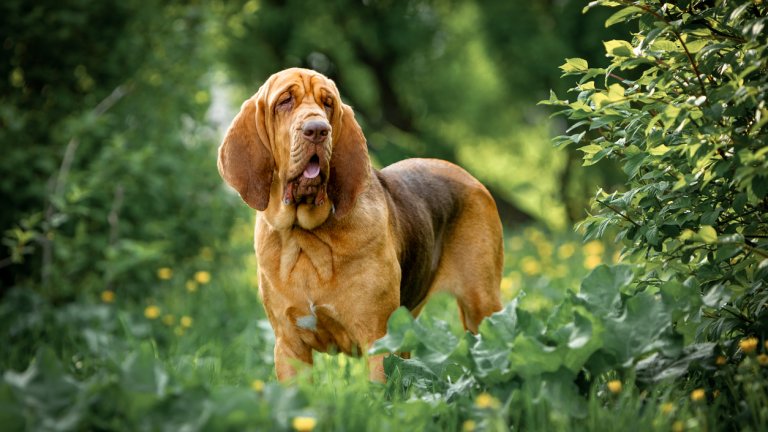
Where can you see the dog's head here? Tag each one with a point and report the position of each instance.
(297, 132)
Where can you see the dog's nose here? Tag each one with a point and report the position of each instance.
(316, 130)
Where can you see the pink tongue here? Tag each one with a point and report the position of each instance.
(312, 170)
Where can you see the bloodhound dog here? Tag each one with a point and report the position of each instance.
(340, 245)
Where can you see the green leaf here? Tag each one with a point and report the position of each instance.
(601, 289)
(618, 48)
(574, 65)
(400, 334)
(622, 15)
(638, 329)
(708, 234)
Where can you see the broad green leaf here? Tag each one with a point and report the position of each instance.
(615, 92)
(618, 48)
(573, 65)
(591, 149)
(638, 329)
(400, 334)
(622, 15)
(708, 234)
(601, 289)
(659, 150)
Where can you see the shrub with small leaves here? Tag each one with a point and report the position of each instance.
(682, 106)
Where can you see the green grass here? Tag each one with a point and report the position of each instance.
(196, 354)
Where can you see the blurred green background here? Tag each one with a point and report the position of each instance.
(111, 113)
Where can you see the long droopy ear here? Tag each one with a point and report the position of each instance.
(245, 160)
(350, 166)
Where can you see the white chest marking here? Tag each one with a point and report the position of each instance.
(308, 322)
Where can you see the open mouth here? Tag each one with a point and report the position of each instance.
(309, 187)
(312, 169)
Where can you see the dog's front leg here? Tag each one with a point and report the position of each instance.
(290, 358)
(376, 368)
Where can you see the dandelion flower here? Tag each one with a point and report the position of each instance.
(169, 319)
(164, 273)
(698, 395)
(595, 247)
(721, 360)
(304, 424)
(566, 250)
(530, 266)
(257, 385)
(614, 386)
(108, 296)
(748, 345)
(485, 400)
(152, 312)
(202, 277)
(763, 359)
(667, 408)
(186, 321)
(506, 286)
(678, 426)
(191, 286)
(592, 261)
(468, 426)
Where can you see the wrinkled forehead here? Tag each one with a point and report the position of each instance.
(300, 82)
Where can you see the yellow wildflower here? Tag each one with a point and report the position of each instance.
(304, 424)
(468, 426)
(698, 395)
(485, 400)
(530, 266)
(257, 385)
(544, 249)
(202, 277)
(592, 261)
(515, 243)
(206, 253)
(678, 426)
(108, 296)
(169, 319)
(152, 312)
(595, 247)
(533, 234)
(763, 359)
(164, 273)
(748, 345)
(716, 393)
(566, 250)
(721, 360)
(506, 287)
(186, 321)
(191, 286)
(614, 386)
(667, 408)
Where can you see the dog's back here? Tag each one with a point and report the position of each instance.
(432, 202)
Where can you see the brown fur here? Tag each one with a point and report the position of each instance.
(339, 253)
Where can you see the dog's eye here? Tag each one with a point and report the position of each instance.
(285, 102)
(328, 104)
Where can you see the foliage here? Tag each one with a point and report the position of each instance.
(107, 155)
(682, 106)
(425, 81)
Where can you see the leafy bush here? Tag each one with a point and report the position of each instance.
(107, 154)
(683, 107)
